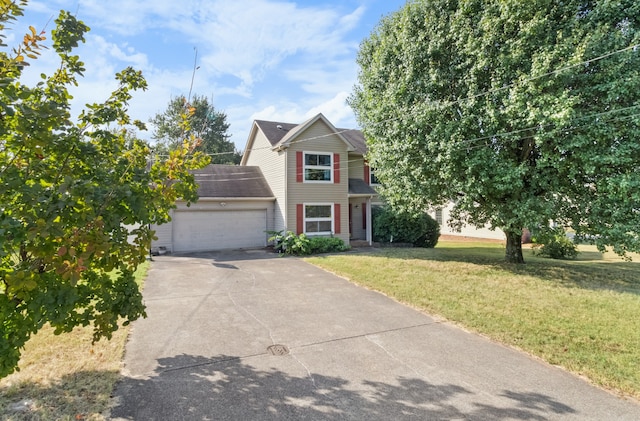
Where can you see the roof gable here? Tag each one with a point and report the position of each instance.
(282, 135)
(295, 132)
(275, 131)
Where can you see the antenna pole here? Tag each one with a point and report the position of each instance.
(193, 74)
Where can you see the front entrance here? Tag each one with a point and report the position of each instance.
(358, 219)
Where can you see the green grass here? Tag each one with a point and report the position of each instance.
(65, 377)
(583, 315)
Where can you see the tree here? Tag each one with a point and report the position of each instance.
(206, 123)
(71, 192)
(518, 112)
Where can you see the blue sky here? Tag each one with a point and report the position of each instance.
(258, 59)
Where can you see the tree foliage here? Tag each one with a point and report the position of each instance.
(72, 192)
(205, 123)
(519, 112)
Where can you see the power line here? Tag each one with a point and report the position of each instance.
(488, 92)
(553, 72)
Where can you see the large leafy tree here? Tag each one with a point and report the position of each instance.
(205, 123)
(518, 112)
(72, 191)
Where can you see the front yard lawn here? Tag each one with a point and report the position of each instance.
(65, 377)
(583, 315)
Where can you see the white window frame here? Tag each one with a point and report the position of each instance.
(305, 219)
(371, 175)
(305, 167)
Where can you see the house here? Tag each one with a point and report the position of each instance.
(307, 178)
(442, 215)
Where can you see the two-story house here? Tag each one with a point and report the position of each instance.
(307, 178)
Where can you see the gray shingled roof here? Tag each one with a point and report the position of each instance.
(356, 138)
(273, 132)
(359, 187)
(275, 135)
(231, 181)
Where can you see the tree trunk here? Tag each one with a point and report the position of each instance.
(514, 246)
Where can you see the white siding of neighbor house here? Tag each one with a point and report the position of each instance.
(273, 166)
(164, 232)
(467, 230)
(323, 140)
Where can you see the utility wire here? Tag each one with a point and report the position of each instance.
(451, 103)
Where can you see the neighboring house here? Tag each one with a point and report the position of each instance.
(442, 216)
(307, 178)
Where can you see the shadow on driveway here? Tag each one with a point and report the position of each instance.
(205, 352)
(226, 388)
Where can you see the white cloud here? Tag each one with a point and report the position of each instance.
(321, 78)
(279, 60)
(127, 17)
(247, 39)
(287, 113)
(336, 110)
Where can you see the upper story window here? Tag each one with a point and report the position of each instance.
(373, 180)
(318, 167)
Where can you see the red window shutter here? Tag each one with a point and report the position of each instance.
(364, 215)
(336, 168)
(299, 219)
(367, 179)
(336, 217)
(299, 169)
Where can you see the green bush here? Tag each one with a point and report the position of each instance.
(555, 244)
(326, 245)
(301, 245)
(290, 243)
(431, 233)
(389, 226)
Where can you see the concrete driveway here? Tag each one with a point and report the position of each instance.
(250, 336)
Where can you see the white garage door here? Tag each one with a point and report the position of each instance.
(216, 230)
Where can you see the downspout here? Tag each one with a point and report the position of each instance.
(286, 190)
(369, 219)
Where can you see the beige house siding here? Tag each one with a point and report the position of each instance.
(356, 166)
(322, 140)
(273, 168)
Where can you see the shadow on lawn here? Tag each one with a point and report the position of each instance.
(589, 271)
(199, 388)
(77, 396)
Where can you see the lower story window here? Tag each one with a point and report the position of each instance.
(318, 219)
